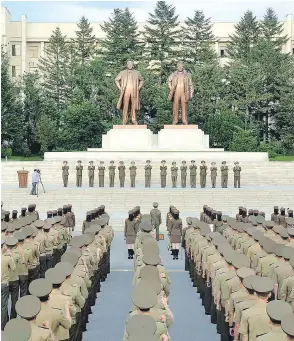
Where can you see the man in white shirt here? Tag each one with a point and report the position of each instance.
(35, 180)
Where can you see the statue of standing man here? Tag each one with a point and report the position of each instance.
(181, 92)
(129, 82)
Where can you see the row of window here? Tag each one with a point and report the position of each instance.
(33, 51)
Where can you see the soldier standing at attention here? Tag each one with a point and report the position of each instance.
(91, 172)
(79, 169)
(163, 173)
(193, 172)
(174, 174)
(176, 233)
(101, 172)
(184, 174)
(111, 169)
(224, 175)
(133, 173)
(130, 233)
(148, 168)
(121, 173)
(203, 173)
(282, 217)
(65, 173)
(213, 174)
(237, 174)
(155, 215)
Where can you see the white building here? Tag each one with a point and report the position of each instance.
(26, 41)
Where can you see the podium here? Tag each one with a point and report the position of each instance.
(22, 178)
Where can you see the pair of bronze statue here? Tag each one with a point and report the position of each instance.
(130, 82)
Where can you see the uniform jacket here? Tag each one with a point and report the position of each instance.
(65, 170)
(203, 170)
(193, 170)
(176, 231)
(148, 169)
(155, 217)
(133, 170)
(213, 171)
(91, 170)
(174, 171)
(184, 170)
(237, 170)
(163, 170)
(79, 170)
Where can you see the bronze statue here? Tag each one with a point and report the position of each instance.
(129, 82)
(181, 92)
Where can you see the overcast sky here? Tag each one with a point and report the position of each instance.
(71, 11)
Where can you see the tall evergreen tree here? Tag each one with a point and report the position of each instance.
(54, 68)
(162, 39)
(272, 29)
(86, 41)
(122, 39)
(198, 40)
(246, 35)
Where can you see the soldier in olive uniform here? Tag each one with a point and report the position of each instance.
(184, 174)
(130, 233)
(287, 325)
(163, 173)
(65, 173)
(148, 169)
(282, 217)
(122, 173)
(224, 175)
(111, 169)
(213, 174)
(91, 172)
(155, 215)
(176, 233)
(274, 216)
(79, 169)
(237, 174)
(101, 172)
(193, 172)
(174, 174)
(133, 173)
(203, 173)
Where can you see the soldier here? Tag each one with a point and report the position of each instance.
(287, 325)
(183, 174)
(193, 172)
(237, 174)
(70, 219)
(111, 169)
(174, 174)
(203, 173)
(14, 216)
(101, 173)
(130, 233)
(224, 175)
(20, 330)
(50, 244)
(79, 169)
(148, 169)
(91, 172)
(65, 173)
(33, 247)
(282, 217)
(155, 215)
(213, 174)
(121, 173)
(87, 222)
(176, 233)
(23, 212)
(163, 173)
(133, 173)
(275, 214)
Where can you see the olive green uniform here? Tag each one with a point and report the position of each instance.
(79, 170)
(224, 176)
(213, 175)
(163, 174)
(133, 173)
(193, 173)
(148, 169)
(65, 174)
(203, 173)
(174, 175)
(91, 172)
(184, 176)
(122, 175)
(111, 169)
(237, 176)
(101, 173)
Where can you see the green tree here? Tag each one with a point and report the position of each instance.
(85, 41)
(244, 141)
(198, 40)
(162, 39)
(121, 41)
(272, 29)
(47, 133)
(246, 35)
(54, 68)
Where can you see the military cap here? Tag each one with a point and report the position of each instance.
(141, 325)
(28, 306)
(155, 204)
(224, 162)
(236, 162)
(283, 209)
(101, 161)
(31, 206)
(47, 226)
(65, 267)
(268, 245)
(290, 231)
(88, 237)
(269, 224)
(14, 211)
(151, 259)
(39, 223)
(290, 221)
(163, 161)
(40, 287)
(278, 228)
(276, 207)
(79, 161)
(277, 309)
(20, 236)
(245, 272)
(77, 242)
(150, 246)
(91, 162)
(50, 221)
(10, 227)
(240, 261)
(70, 257)
(229, 254)
(4, 225)
(57, 219)
(259, 219)
(149, 272)
(101, 221)
(17, 330)
(34, 234)
(263, 285)
(49, 212)
(287, 324)
(144, 297)
(284, 234)
(145, 226)
(248, 281)
(257, 235)
(278, 250)
(94, 229)
(11, 241)
(225, 218)
(287, 252)
(55, 275)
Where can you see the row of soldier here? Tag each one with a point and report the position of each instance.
(203, 171)
(244, 274)
(62, 292)
(150, 315)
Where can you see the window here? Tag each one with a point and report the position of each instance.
(222, 53)
(13, 52)
(34, 51)
(13, 71)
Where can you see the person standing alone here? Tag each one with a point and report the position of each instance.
(155, 218)
(35, 180)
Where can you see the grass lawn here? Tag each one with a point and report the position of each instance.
(287, 158)
(24, 158)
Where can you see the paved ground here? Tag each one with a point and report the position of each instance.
(111, 310)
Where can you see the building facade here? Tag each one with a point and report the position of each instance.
(25, 41)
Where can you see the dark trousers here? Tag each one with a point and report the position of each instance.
(43, 269)
(23, 285)
(49, 262)
(213, 312)
(186, 261)
(34, 188)
(14, 292)
(156, 227)
(34, 273)
(4, 304)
